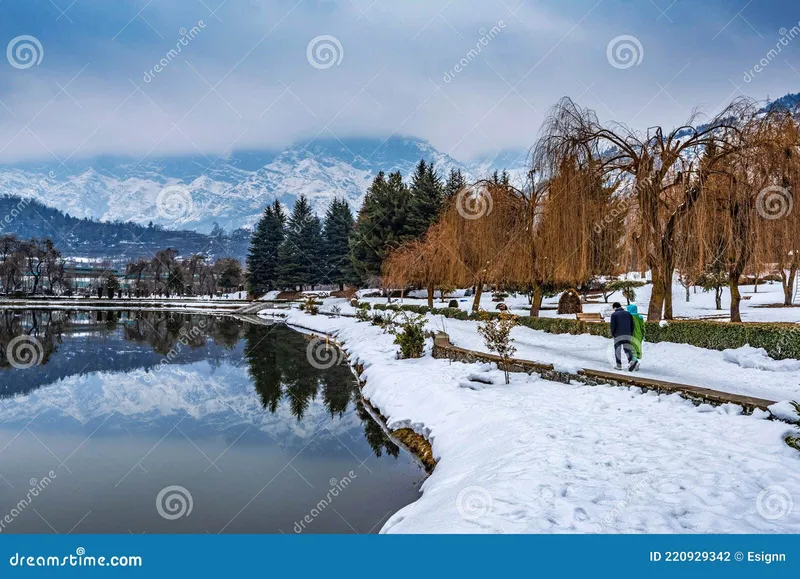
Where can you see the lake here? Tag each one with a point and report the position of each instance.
(158, 422)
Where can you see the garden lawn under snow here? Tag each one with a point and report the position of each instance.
(748, 371)
(538, 456)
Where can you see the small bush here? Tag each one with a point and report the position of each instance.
(453, 304)
(496, 333)
(310, 305)
(409, 334)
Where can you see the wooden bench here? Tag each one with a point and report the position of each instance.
(592, 317)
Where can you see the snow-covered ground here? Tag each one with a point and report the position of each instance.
(537, 456)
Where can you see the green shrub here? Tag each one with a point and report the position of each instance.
(409, 334)
(453, 304)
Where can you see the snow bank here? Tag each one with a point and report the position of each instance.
(750, 357)
(543, 457)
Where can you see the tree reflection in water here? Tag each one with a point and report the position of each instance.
(276, 356)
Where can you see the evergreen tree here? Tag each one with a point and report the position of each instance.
(300, 256)
(455, 182)
(337, 230)
(381, 225)
(263, 255)
(427, 194)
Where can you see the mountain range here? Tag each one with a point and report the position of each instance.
(232, 191)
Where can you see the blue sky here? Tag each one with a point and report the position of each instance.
(245, 79)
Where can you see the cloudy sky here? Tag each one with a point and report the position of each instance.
(88, 77)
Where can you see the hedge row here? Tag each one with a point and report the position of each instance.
(780, 340)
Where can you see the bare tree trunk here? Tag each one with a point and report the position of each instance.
(656, 306)
(536, 303)
(687, 294)
(476, 303)
(736, 299)
(430, 296)
(718, 297)
(788, 282)
(668, 298)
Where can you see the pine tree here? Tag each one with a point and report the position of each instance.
(338, 227)
(263, 255)
(381, 225)
(427, 194)
(300, 256)
(455, 183)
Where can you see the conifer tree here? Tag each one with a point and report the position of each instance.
(455, 182)
(300, 258)
(263, 254)
(427, 194)
(338, 227)
(381, 225)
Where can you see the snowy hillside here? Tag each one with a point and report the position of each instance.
(230, 191)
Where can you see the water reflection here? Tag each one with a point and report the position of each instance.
(111, 385)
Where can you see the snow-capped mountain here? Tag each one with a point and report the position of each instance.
(230, 191)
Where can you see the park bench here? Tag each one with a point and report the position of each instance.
(591, 317)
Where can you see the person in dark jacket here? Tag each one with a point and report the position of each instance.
(622, 331)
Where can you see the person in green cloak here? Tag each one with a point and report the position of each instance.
(638, 336)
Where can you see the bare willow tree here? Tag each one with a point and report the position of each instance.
(662, 170)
